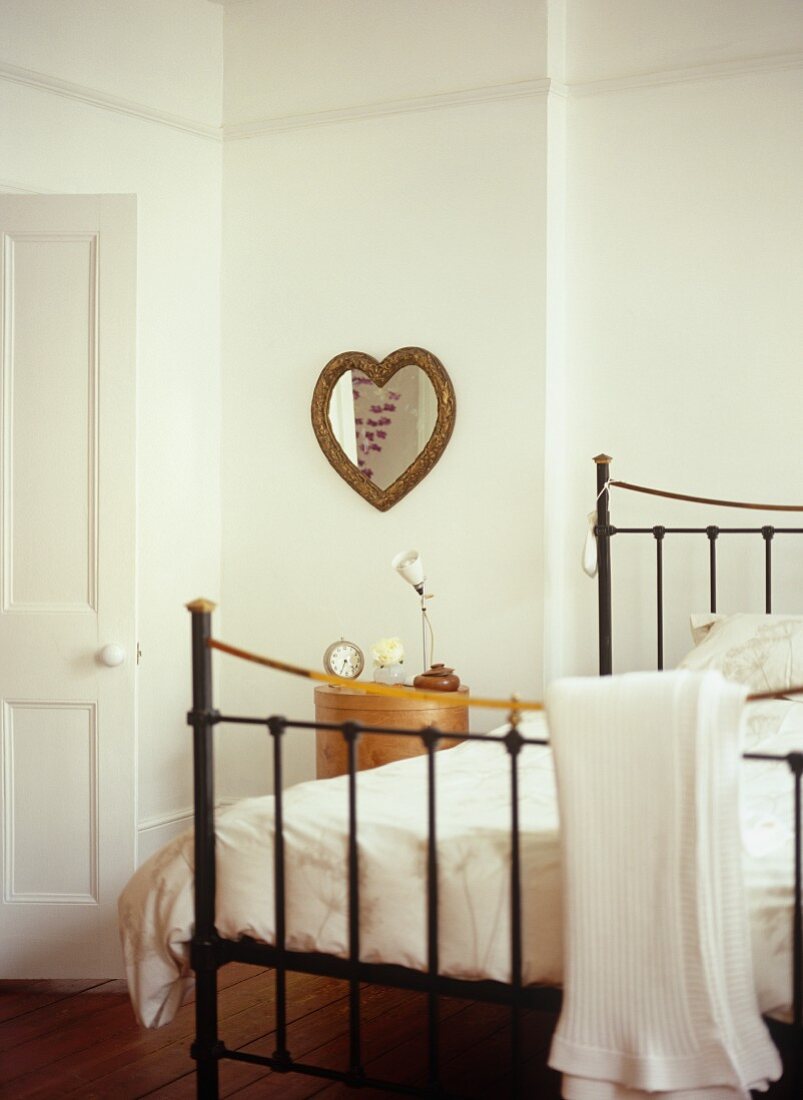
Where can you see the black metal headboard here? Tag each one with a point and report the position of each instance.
(605, 531)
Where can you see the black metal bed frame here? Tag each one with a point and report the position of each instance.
(209, 951)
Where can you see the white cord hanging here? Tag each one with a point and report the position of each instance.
(589, 560)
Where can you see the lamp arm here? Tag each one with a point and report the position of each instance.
(426, 625)
(424, 631)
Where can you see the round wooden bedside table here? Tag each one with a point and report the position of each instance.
(336, 704)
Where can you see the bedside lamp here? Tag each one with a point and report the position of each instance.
(409, 566)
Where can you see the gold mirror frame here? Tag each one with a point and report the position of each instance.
(380, 374)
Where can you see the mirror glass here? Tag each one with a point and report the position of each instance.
(382, 430)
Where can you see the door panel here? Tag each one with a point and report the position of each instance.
(68, 315)
(51, 851)
(50, 379)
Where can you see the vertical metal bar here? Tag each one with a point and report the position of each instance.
(351, 734)
(430, 739)
(796, 764)
(207, 1047)
(604, 565)
(767, 534)
(513, 743)
(659, 533)
(281, 1054)
(713, 534)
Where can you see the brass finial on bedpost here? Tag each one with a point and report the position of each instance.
(205, 607)
(603, 534)
(514, 715)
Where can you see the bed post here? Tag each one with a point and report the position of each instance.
(207, 1047)
(603, 534)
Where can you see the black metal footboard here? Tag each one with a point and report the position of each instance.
(209, 951)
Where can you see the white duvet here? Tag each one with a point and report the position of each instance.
(156, 916)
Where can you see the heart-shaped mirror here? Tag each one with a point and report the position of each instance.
(383, 426)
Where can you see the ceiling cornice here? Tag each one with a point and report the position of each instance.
(498, 93)
(521, 90)
(14, 187)
(84, 94)
(717, 70)
(525, 89)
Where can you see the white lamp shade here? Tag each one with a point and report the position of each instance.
(408, 564)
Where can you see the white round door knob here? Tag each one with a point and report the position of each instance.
(112, 655)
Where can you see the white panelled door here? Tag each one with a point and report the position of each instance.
(67, 580)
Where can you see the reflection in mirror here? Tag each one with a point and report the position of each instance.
(383, 425)
(383, 429)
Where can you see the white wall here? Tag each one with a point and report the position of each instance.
(69, 139)
(418, 227)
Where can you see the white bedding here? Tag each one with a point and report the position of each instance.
(156, 916)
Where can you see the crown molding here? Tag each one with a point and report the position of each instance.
(497, 93)
(715, 71)
(524, 89)
(84, 94)
(14, 187)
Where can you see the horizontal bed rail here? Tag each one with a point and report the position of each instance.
(612, 530)
(247, 950)
(714, 502)
(514, 704)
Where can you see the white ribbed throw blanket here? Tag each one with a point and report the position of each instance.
(658, 982)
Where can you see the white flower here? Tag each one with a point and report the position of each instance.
(387, 651)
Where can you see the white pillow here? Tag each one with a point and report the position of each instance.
(702, 623)
(765, 652)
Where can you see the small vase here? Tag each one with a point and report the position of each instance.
(389, 674)
(437, 678)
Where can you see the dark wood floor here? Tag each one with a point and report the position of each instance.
(79, 1039)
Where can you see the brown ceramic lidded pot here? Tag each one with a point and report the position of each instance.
(437, 678)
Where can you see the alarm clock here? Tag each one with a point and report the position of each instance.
(343, 658)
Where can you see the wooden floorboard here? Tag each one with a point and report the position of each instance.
(389, 1018)
(79, 1039)
(18, 998)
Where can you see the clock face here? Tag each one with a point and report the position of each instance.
(344, 659)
